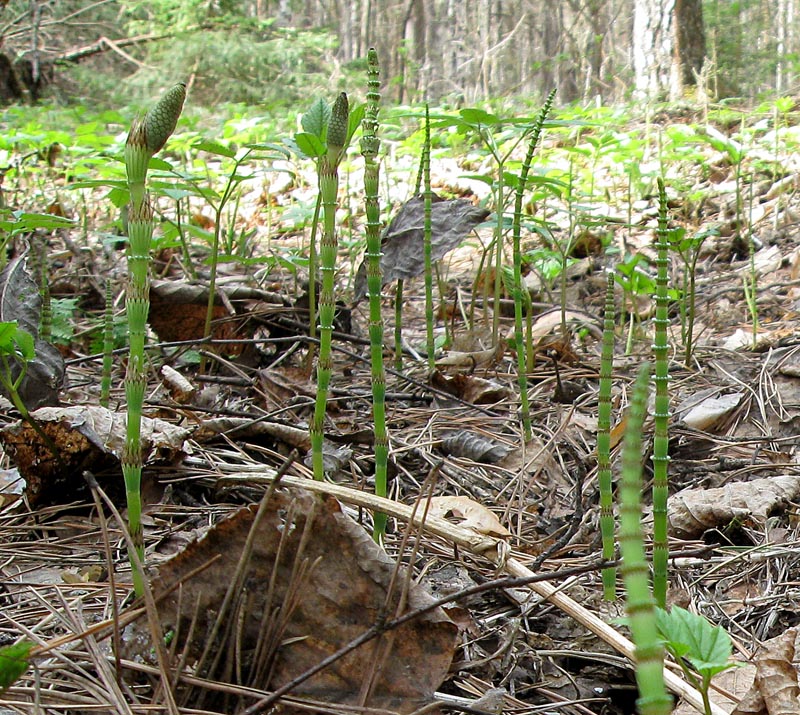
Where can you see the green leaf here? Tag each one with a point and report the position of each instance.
(310, 145)
(7, 332)
(30, 221)
(156, 164)
(13, 663)
(213, 147)
(25, 345)
(119, 197)
(475, 116)
(354, 121)
(315, 120)
(691, 636)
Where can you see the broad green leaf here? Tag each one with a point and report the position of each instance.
(315, 120)
(691, 636)
(7, 332)
(483, 178)
(30, 221)
(310, 145)
(13, 663)
(156, 164)
(25, 345)
(475, 116)
(176, 194)
(213, 147)
(119, 196)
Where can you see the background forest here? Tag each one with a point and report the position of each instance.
(274, 51)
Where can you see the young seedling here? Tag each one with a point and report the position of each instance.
(17, 346)
(522, 362)
(604, 477)
(661, 414)
(147, 136)
(653, 698)
(688, 248)
(370, 144)
(700, 648)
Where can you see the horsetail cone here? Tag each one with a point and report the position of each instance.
(160, 121)
(337, 127)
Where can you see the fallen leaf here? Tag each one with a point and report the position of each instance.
(470, 388)
(472, 446)
(775, 690)
(474, 516)
(703, 410)
(693, 511)
(85, 437)
(20, 302)
(402, 241)
(310, 582)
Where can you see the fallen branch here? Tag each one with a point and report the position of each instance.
(494, 549)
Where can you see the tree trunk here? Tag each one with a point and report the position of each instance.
(690, 46)
(652, 47)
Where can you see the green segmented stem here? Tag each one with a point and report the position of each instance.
(147, 136)
(426, 179)
(108, 346)
(661, 414)
(370, 144)
(46, 315)
(329, 188)
(604, 479)
(398, 326)
(649, 652)
(522, 362)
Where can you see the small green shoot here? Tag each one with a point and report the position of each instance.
(693, 641)
(653, 698)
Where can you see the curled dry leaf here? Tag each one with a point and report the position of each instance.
(402, 241)
(472, 446)
(474, 516)
(86, 437)
(290, 584)
(692, 511)
(775, 690)
(470, 388)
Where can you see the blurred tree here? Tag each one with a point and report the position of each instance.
(447, 51)
(668, 47)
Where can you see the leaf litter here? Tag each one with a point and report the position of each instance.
(519, 648)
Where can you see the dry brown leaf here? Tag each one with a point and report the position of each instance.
(469, 388)
(86, 437)
(313, 582)
(692, 511)
(475, 517)
(463, 443)
(775, 690)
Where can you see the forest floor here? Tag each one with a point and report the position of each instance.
(309, 582)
